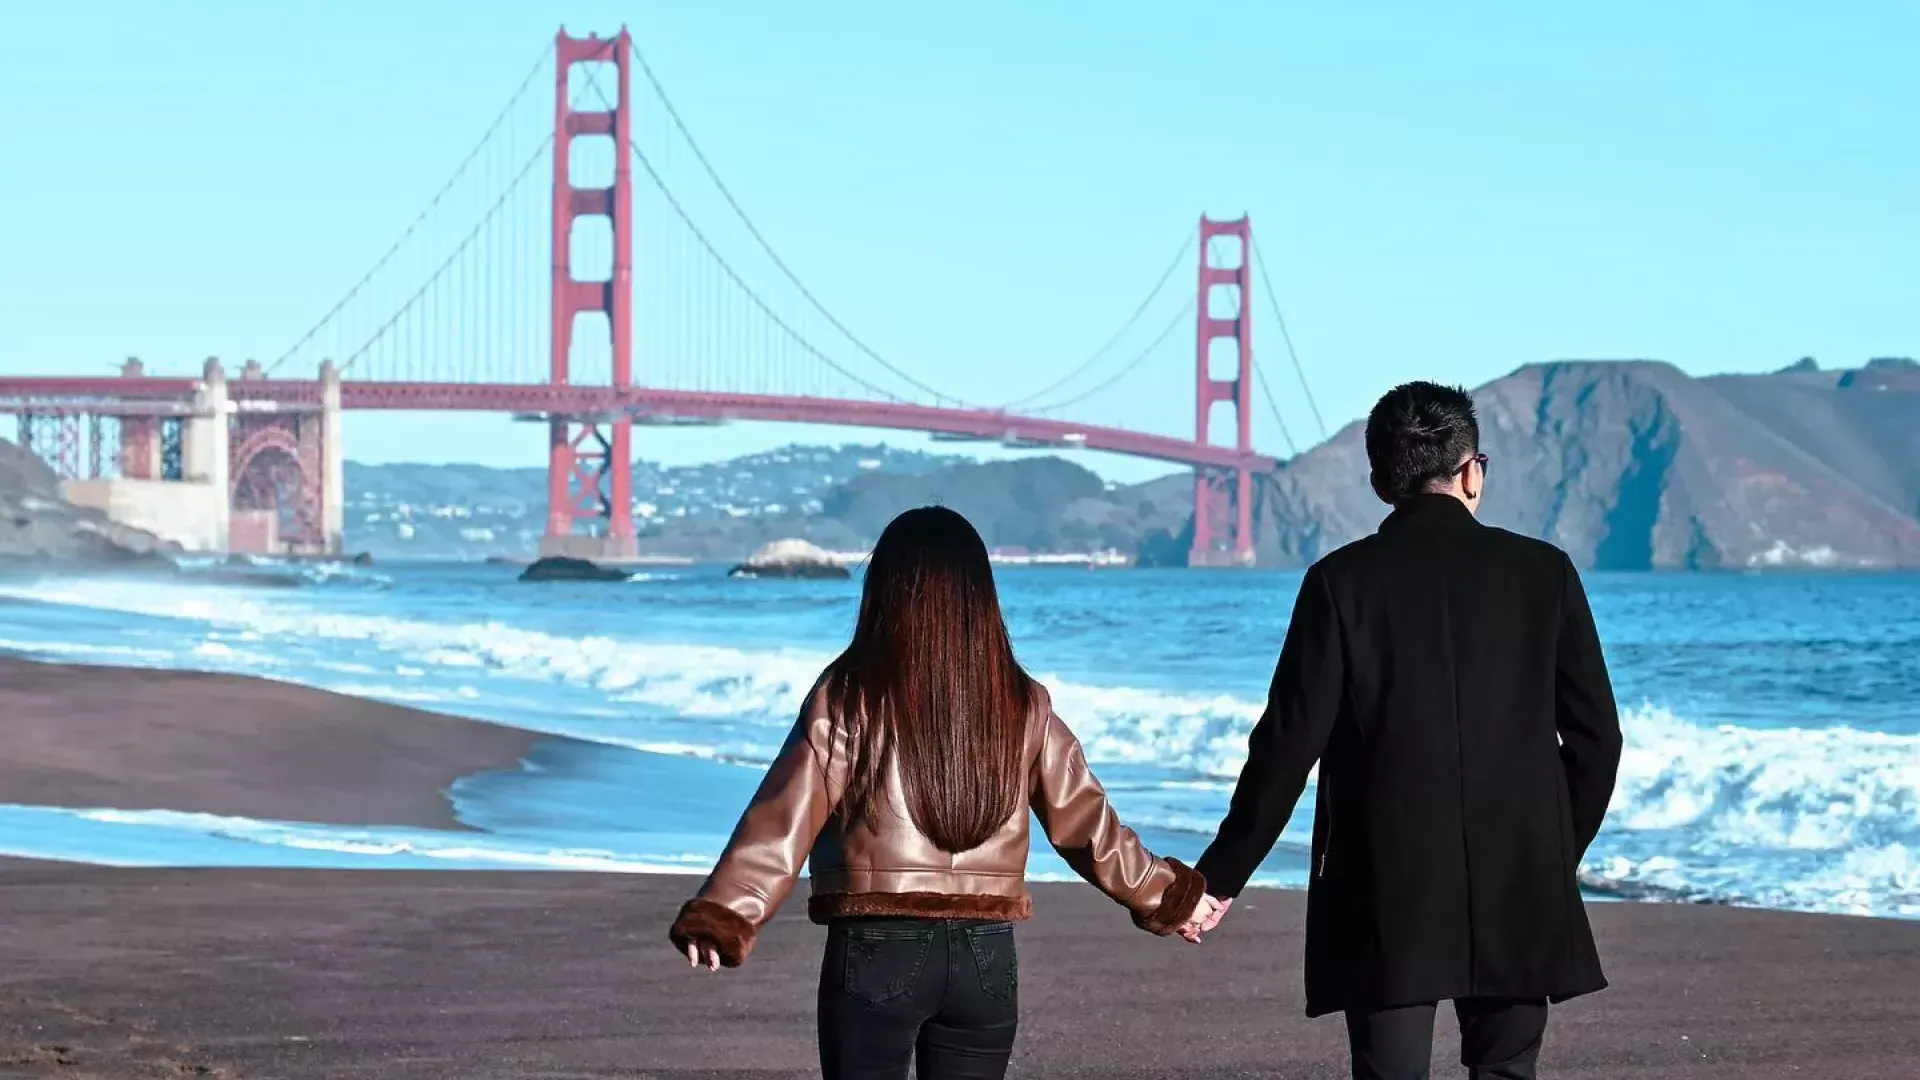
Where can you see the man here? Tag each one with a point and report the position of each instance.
(1447, 677)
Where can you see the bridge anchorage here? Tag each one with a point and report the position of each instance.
(254, 463)
(251, 466)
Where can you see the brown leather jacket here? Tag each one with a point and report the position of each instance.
(894, 870)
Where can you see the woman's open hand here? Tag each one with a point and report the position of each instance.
(701, 954)
(1206, 915)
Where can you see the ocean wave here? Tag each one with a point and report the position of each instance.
(1796, 788)
(179, 838)
(1825, 817)
(687, 680)
(322, 572)
(1204, 735)
(1803, 789)
(1820, 818)
(1882, 881)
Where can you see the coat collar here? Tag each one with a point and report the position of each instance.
(1429, 511)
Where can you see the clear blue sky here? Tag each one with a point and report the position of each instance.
(984, 191)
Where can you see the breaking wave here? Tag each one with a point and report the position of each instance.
(1823, 818)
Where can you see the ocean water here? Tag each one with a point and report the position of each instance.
(1772, 721)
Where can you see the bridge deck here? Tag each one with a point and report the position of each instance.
(104, 394)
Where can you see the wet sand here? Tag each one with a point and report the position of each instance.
(142, 973)
(137, 739)
(111, 974)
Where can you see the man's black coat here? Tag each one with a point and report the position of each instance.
(1447, 677)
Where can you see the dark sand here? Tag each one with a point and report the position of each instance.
(115, 974)
(136, 739)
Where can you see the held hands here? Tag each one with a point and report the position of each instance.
(1206, 915)
(701, 954)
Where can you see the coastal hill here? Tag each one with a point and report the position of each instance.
(1627, 465)
(1636, 465)
(719, 510)
(838, 497)
(36, 524)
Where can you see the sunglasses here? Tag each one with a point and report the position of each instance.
(1477, 459)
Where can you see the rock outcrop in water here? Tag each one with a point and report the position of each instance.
(565, 568)
(38, 526)
(790, 559)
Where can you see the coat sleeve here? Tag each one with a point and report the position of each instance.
(1302, 704)
(771, 842)
(1584, 712)
(1083, 828)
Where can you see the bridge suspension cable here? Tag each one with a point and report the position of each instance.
(453, 256)
(1273, 302)
(1186, 245)
(459, 299)
(1179, 317)
(759, 238)
(433, 204)
(1260, 376)
(727, 268)
(747, 290)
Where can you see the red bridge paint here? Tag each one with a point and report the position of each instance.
(590, 460)
(605, 405)
(589, 457)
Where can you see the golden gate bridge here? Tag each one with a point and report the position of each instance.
(480, 305)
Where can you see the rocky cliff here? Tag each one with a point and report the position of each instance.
(37, 525)
(1636, 465)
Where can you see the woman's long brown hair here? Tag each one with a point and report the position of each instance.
(930, 684)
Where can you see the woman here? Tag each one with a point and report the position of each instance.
(908, 777)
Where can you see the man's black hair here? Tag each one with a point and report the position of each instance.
(1417, 436)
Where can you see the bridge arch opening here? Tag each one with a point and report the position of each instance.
(272, 493)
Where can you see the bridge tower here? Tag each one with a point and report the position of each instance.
(590, 458)
(1223, 499)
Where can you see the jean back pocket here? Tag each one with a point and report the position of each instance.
(995, 960)
(884, 965)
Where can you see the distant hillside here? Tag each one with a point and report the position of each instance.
(839, 497)
(1029, 505)
(1636, 465)
(1042, 504)
(470, 511)
(1864, 424)
(1626, 465)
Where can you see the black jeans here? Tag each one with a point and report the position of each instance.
(1499, 1039)
(944, 992)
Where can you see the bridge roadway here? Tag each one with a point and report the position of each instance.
(99, 395)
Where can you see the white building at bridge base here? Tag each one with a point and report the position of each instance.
(230, 468)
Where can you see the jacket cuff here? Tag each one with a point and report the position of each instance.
(1177, 901)
(704, 921)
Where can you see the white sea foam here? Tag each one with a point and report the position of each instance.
(688, 680)
(1823, 817)
(450, 848)
(1817, 789)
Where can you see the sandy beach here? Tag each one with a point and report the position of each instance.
(137, 739)
(111, 973)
